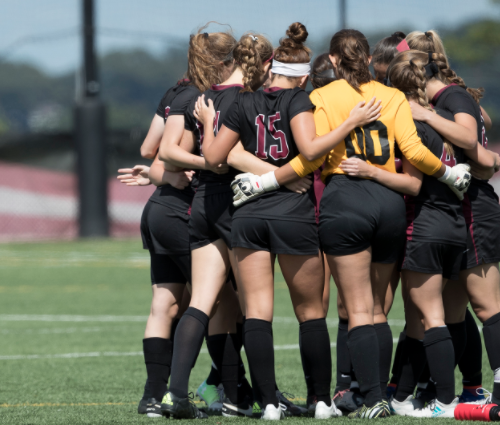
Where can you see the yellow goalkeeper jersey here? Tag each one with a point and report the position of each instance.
(373, 143)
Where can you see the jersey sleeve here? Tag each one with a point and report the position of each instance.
(459, 101)
(232, 119)
(299, 102)
(410, 144)
(160, 111)
(182, 101)
(303, 167)
(189, 118)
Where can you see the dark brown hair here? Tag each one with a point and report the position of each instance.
(321, 67)
(352, 51)
(206, 52)
(385, 49)
(250, 54)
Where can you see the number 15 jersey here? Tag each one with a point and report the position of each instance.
(374, 142)
(262, 119)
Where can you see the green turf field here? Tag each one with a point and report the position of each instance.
(72, 319)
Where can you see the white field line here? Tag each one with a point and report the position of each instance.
(125, 354)
(106, 318)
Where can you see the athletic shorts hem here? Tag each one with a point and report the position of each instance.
(346, 251)
(160, 251)
(482, 261)
(431, 271)
(201, 244)
(276, 251)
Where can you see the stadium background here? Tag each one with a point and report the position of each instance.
(72, 313)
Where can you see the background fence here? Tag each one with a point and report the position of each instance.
(141, 53)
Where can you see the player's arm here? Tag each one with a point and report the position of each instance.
(149, 147)
(462, 132)
(409, 182)
(159, 176)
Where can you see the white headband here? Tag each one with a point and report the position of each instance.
(291, 69)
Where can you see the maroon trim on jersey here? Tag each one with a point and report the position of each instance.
(440, 92)
(469, 221)
(410, 218)
(219, 87)
(319, 188)
(273, 89)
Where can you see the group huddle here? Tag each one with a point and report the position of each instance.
(369, 180)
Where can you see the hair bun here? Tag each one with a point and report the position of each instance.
(297, 33)
(399, 34)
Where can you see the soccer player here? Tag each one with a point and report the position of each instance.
(480, 277)
(383, 53)
(269, 125)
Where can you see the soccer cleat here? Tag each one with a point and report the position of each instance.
(256, 409)
(181, 408)
(272, 413)
(403, 408)
(425, 396)
(213, 396)
(379, 410)
(320, 410)
(436, 409)
(348, 401)
(291, 409)
(231, 410)
(487, 398)
(143, 405)
(153, 409)
(472, 395)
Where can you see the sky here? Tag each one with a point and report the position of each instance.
(45, 33)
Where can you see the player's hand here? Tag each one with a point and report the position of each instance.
(181, 179)
(418, 112)
(136, 176)
(300, 186)
(458, 179)
(364, 113)
(204, 113)
(218, 169)
(248, 186)
(479, 172)
(356, 167)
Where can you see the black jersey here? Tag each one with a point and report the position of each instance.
(176, 99)
(262, 119)
(435, 214)
(223, 98)
(481, 195)
(175, 102)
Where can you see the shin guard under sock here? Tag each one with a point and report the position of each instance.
(158, 359)
(215, 346)
(258, 340)
(441, 359)
(307, 370)
(230, 365)
(187, 344)
(471, 363)
(343, 358)
(384, 336)
(412, 363)
(396, 367)
(363, 348)
(491, 333)
(316, 353)
(458, 332)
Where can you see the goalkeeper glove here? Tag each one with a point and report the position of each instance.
(248, 186)
(457, 178)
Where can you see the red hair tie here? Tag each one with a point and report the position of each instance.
(403, 46)
(271, 58)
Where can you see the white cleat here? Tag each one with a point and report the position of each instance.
(436, 409)
(271, 413)
(322, 411)
(407, 407)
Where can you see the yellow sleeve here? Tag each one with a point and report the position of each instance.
(303, 167)
(410, 144)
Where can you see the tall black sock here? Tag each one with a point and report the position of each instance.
(230, 364)
(256, 392)
(384, 336)
(363, 348)
(258, 340)
(307, 370)
(425, 378)
(396, 367)
(158, 359)
(188, 339)
(343, 358)
(441, 358)
(458, 332)
(491, 332)
(471, 363)
(215, 345)
(175, 323)
(412, 363)
(316, 353)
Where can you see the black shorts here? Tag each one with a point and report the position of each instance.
(211, 217)
(433, 258)
(170, 268)
(275, 236)
(164, 231)
(483, 243)
(356, 214)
